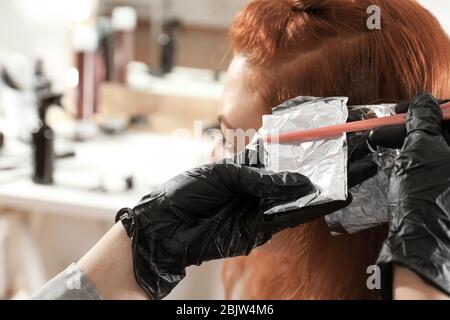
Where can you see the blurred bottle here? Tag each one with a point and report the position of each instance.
(43, 141)
(124, 22)
(167, 42)
(106, 46)
(85, 45)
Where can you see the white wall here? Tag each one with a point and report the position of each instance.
(218, 13)
(209, 12)
(440, 9)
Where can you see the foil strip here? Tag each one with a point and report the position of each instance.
(370, 200)
(324, 162)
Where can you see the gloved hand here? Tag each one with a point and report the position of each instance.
(216, 211)
(419, 195)
(393, 137)
(211, 212)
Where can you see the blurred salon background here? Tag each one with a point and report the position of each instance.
(100, 102)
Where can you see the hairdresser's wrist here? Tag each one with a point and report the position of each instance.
(407, 285)
(427, 259)
(104, 262)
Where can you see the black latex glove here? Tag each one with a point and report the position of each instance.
(217, 211)
(419, 196)
(393, 137)
(211, 212)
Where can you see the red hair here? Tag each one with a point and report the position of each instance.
(324, 48)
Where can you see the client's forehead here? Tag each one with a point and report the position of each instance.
(242, 105)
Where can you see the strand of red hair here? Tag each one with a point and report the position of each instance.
(324, 48)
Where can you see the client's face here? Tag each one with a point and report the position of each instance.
(241, 106)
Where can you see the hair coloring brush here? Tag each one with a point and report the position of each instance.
(336, 130)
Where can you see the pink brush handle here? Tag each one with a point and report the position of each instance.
(336, 130)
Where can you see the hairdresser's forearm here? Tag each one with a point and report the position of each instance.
(409, 286)
(109, 267)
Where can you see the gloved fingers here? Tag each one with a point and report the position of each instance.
(391, 137)
(360, 171)
(291, 219)
(424, 114)
(273, 186)
(403, 106)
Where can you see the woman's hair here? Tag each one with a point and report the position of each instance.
(325, 48)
